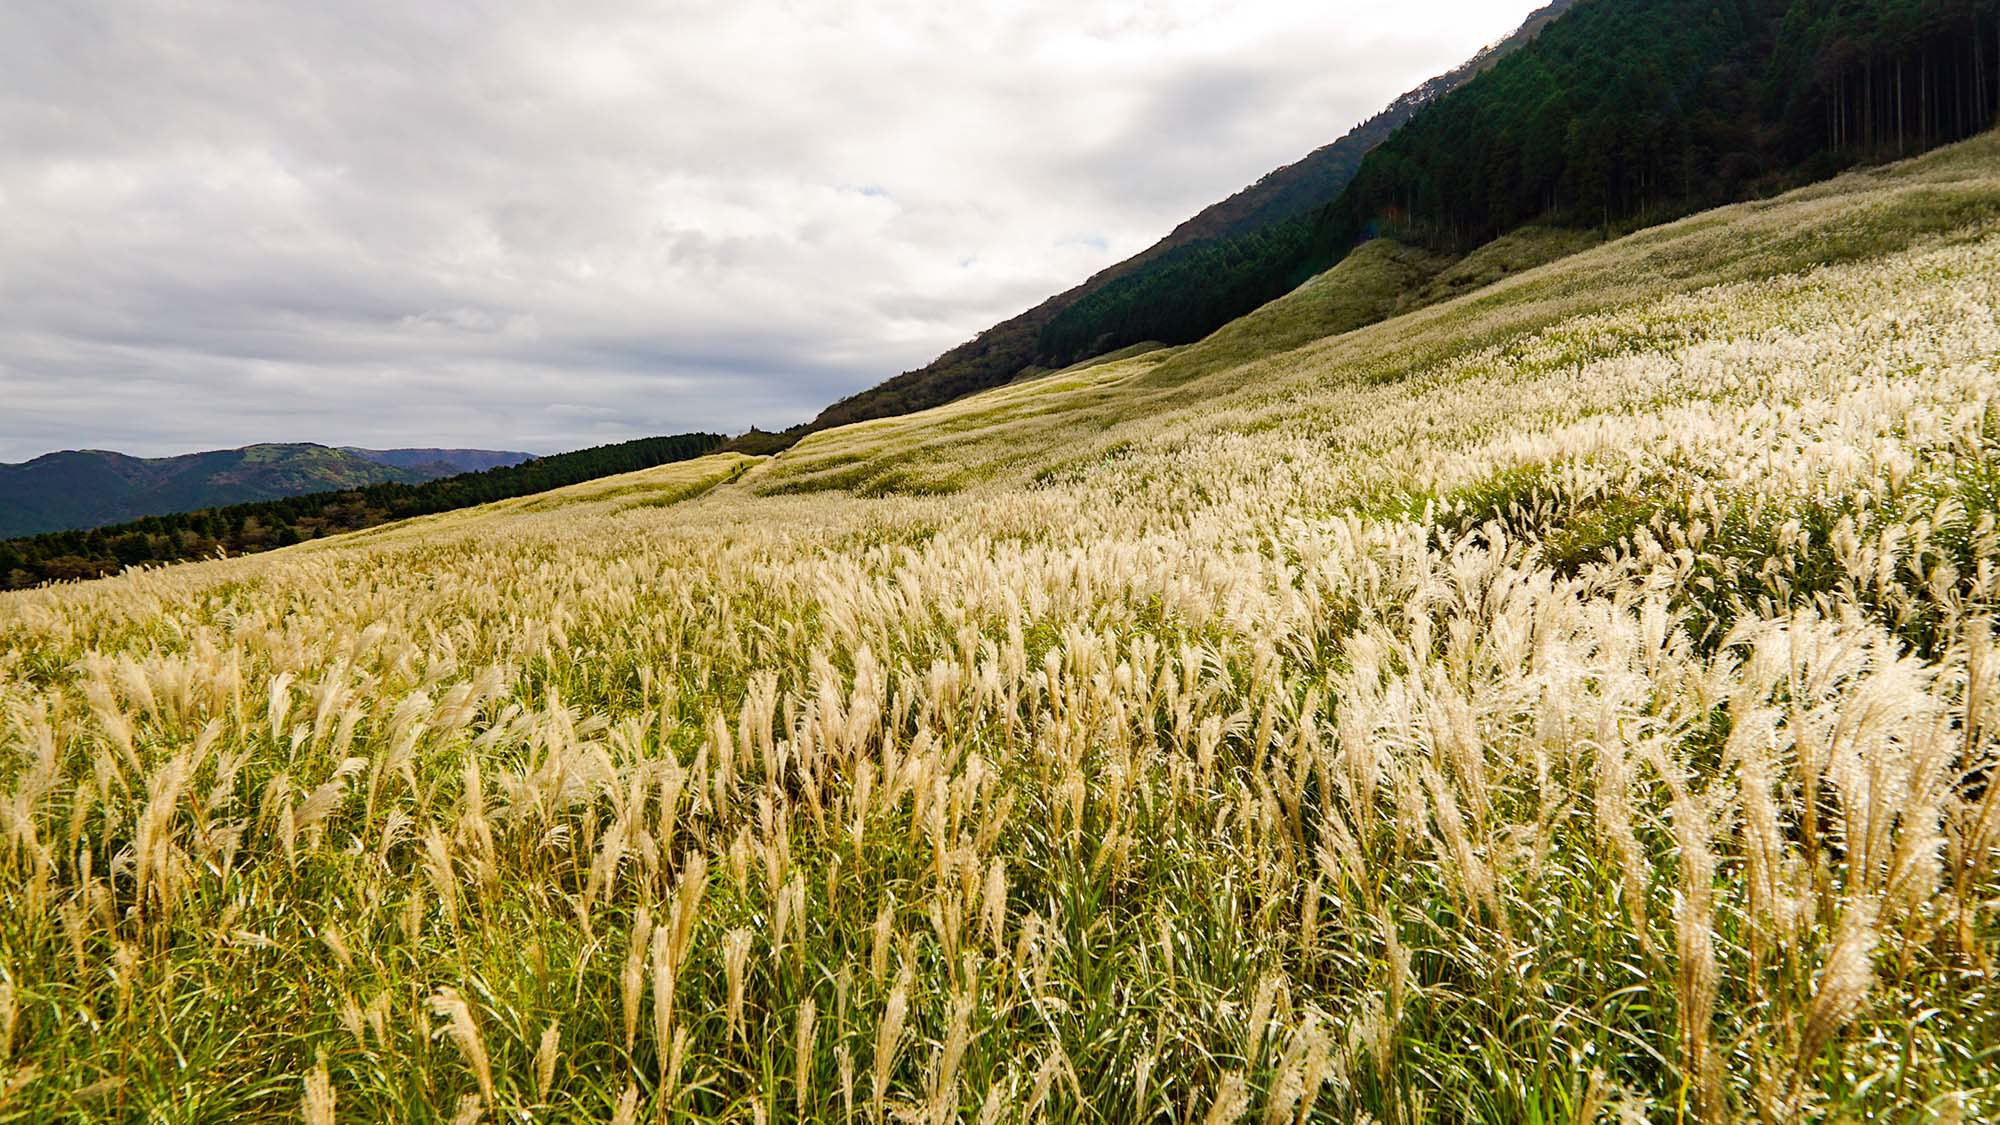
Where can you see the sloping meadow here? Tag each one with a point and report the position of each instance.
(1596, 721)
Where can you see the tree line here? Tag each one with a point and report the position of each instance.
(265, 524)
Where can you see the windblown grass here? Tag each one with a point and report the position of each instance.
(1562, 704)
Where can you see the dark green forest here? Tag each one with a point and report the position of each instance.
(1620, 114)
(264, 524)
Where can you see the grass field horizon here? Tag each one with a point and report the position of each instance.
(1572, 699)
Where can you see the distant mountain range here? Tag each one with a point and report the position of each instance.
(434, 463)
(83, 488)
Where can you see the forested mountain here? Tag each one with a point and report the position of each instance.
(78, 488)
(1622, 113)
(1001, 352)
(241, 528)
(1633, 110)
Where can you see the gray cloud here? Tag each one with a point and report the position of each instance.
(538, 225)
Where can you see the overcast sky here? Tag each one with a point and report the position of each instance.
(540, 225)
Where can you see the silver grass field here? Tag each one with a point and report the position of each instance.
(1577, 701)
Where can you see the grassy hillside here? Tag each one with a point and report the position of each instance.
(1572, 701)
(1631, 112)
(1378, 280)
(1857, 216)
(1514, 252)
(1282, 199)
(1619, 114)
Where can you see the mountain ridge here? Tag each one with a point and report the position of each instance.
(425, 458)
(257, 525)
(82, 488)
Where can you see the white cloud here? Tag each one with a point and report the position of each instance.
(540, 225)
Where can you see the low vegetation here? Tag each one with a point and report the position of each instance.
(1575, 701)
